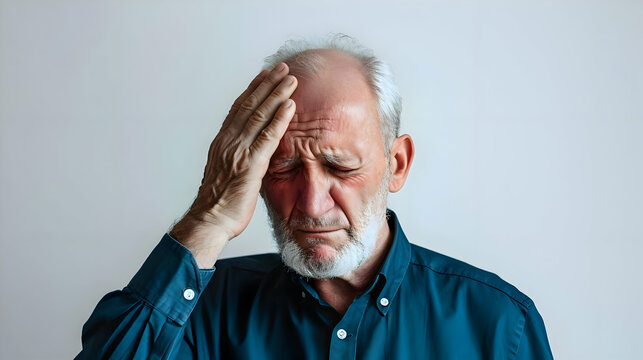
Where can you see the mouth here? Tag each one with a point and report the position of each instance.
(325, 234)
(318, 231)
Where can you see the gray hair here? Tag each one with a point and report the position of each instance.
(378, 74)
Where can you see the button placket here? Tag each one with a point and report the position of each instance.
(344, 336)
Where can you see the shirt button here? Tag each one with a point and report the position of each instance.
(384, 301)
(341, 334)
(303, 294)
(188, 294)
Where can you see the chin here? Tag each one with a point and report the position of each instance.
(327, 254)
(321, 253)
(321, 260)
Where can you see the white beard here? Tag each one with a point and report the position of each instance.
(362, 238)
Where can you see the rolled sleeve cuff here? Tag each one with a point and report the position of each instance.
(170, 280)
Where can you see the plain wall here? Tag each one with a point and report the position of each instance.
(527, 118)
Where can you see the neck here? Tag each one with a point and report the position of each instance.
(339, 292)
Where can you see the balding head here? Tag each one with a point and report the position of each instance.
(309, 57)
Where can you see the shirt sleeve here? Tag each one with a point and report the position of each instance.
(533, 341)
(146, 319)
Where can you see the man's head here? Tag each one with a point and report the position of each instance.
(328, 180)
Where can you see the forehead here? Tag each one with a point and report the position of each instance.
(336, 110)
(338, 78)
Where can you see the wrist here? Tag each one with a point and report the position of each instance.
(204, 240)
(190, 228)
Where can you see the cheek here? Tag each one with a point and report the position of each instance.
(280, 195)
(350, 196)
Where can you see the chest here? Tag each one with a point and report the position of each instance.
(295, 324)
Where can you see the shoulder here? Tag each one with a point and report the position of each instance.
(446, 268)
(260, 263)
(242, 276)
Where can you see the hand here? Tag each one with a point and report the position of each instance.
(238, 159)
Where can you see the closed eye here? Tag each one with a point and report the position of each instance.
(341, 170)
(285, 172)
(282, 172)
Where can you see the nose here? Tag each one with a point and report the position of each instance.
(314, 199)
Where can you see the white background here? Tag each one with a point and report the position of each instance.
(527, 118)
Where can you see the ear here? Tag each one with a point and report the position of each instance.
(401, 158)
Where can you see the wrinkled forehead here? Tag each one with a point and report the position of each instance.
(346, 130)
(336, 109)
(343, 118)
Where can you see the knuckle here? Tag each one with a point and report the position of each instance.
(249, 103)
(277, 94)
(281, 115)
(258, 115)
(237, 103)
(267, 134)
(234, 108)
(274, 78)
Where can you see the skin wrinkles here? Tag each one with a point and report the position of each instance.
(309, 129)
(320, 142)
(303, 144)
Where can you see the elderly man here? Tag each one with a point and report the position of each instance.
(317, 137)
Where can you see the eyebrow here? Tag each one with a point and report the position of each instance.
(284, 161)
(328, 158)
(333, 159)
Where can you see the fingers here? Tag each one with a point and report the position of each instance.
(268, 139)
(237, 103)
(264, 114)
(252, 102)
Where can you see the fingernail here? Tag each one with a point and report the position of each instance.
(289, 103)
(280, 67)
(290, 80)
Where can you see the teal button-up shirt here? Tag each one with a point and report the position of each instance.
(421, 305)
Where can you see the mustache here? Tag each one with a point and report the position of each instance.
(309, 222)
